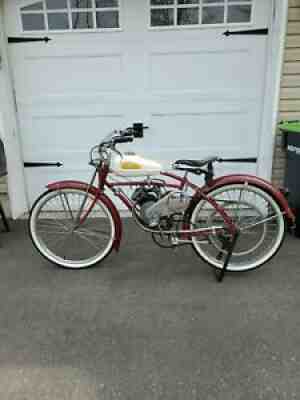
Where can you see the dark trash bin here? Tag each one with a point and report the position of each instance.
(291, 142)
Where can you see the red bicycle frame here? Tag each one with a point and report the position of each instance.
(180, 183)
(229, 232)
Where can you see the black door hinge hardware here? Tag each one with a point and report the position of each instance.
(42, 164)
(16, 39)
(253, 32)
(245, 160)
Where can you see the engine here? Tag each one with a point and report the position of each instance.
(154, 204)
(146, 198)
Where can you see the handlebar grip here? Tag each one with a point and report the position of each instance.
(138, 130)
(123, 139)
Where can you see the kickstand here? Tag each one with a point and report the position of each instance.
(229, 246)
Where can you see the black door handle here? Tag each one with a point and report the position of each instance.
(238, 160)
(16, 39)
(42, 164)
(253, 32)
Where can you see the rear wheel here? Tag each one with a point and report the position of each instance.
(255, 213)
(61, 235)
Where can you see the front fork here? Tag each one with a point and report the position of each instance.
(101, 172)
(80, 218)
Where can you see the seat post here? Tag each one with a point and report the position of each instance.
(210, 173)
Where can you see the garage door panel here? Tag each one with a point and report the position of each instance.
(189, 133)
(206, 70)
(54, 132)
(202, 128)
(70, 74)
(201, 93)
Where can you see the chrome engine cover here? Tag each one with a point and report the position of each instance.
(154, 204)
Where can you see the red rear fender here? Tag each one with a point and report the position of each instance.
(258, 182)
(101, 196)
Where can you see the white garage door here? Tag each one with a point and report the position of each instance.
(114, 62)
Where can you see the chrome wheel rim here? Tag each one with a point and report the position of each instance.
(60, 236)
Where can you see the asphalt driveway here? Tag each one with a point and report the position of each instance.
(147, 324)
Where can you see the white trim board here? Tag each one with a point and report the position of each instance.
(9, 131)
(272, 90)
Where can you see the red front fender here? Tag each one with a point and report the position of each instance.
(101, 196)
(258, 182)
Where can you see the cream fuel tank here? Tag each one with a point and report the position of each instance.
(133, 165)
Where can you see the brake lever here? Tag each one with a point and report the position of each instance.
(114, 149)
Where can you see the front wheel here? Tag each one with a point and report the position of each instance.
(259, 219)
(71, 228)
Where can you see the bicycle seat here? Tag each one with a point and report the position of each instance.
(195, 163)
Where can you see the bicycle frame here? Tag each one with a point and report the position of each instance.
(180, 183)
(161, 195)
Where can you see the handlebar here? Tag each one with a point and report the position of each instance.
(122, 136)
(123, 139)
(136, 130)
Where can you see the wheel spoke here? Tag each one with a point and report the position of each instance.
(53, 228)
(63, 203)
(61, 242)
(257, 215)
(244, 228)
(54, 232)
(88, 240)
(55, 222)
(94, 232)
(81, 208)
(238, 205)
(68, 206)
